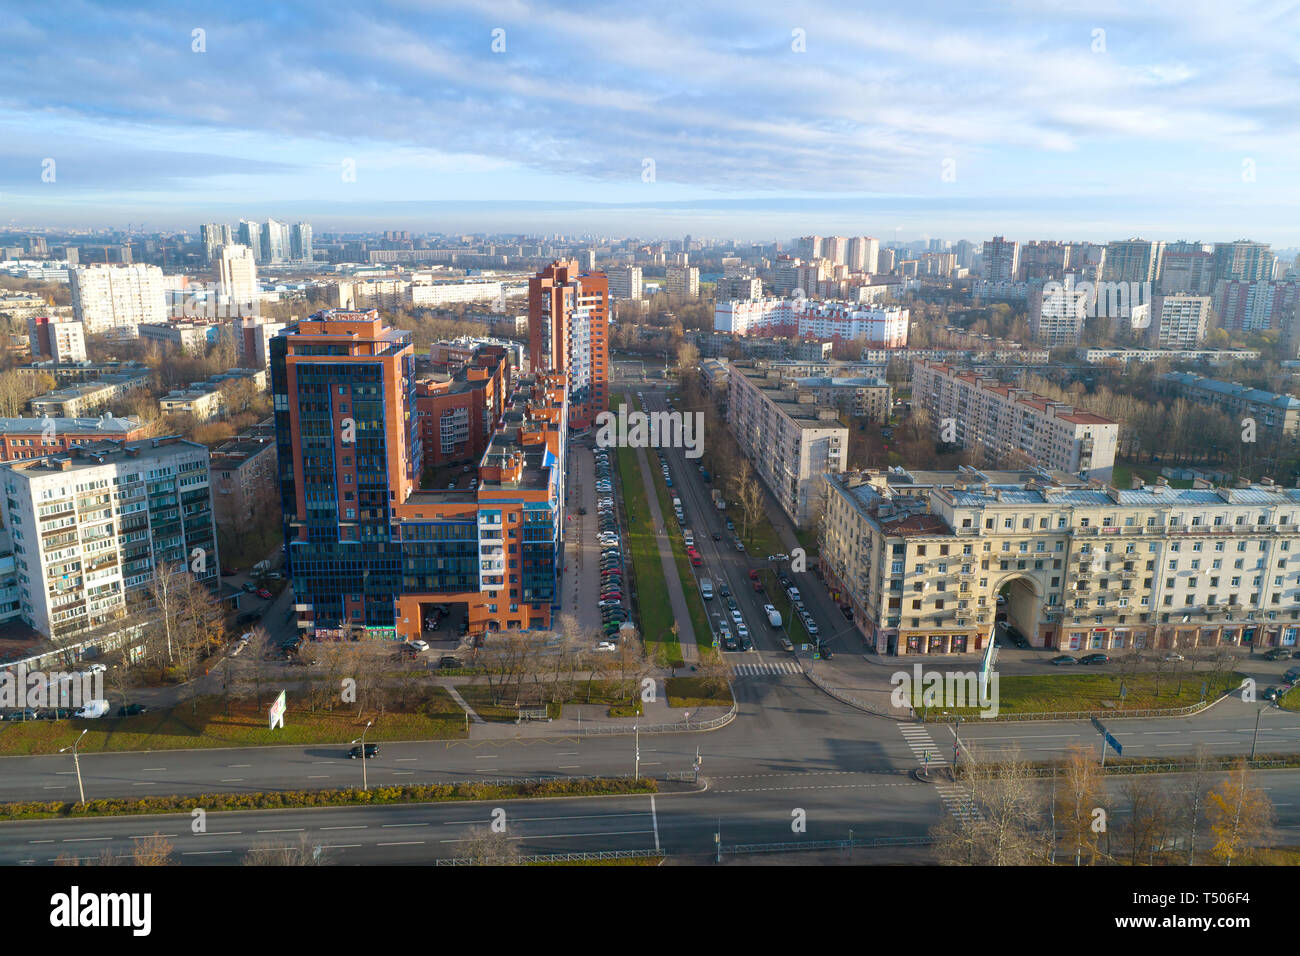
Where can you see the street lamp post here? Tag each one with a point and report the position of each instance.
(76, 760)
(636, 766)
(1258, 714)
(365, 784)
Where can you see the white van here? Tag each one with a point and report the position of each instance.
(706, 588)
(93, 709)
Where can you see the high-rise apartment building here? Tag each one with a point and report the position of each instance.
(1187, 269)
(864, 254)
(568, 331)
(1042, 261)
(108, 298)
(1243, 261)
(683, 280)
(1179, 321)
(215, 235)
(91, 525)
(300, 242)
(1133, 260)
(1001, 260)
(372, 551)
(624, 282)
(250, 234)
(276, 243)
(236, 274)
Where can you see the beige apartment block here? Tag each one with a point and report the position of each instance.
(922, 560)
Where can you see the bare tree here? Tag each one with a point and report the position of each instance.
(302, 853)
(1001, 820)
(482, 847)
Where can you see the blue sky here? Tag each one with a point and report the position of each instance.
(1177, 120)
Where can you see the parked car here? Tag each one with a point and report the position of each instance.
(1278, 654)
(1062, 660)
(447, 662)
(132, 710)
(1094, 659)
(95, 668)
(1292, 676)
(1174, 656)
(228, 572)
(249, 587)
(263, 593)
(420, 646)
(371, 750)
(1272, 693)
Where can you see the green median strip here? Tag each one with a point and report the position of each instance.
(653, 608)
(303, 799)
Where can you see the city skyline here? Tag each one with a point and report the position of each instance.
(1170, 122)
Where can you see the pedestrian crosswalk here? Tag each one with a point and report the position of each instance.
(928, 755)
(756, 670)
(921, 743)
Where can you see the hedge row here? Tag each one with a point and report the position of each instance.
(290, 799)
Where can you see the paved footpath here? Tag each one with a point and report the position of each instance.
(676, 597)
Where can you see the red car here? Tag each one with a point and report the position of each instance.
(753, 575)
(263, 593)
(229, 572)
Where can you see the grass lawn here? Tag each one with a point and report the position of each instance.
(205, 724)
(690, 692)
(1099, 692)
(653, 610)
(605, 693)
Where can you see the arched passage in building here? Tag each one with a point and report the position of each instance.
(1019, 605)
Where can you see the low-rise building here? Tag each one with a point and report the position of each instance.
(87, 398)
(1275, 415)
(22, 438)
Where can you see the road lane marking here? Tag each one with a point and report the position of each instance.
(567, 836)
(285, 830)
(146, 836)
(406, 843)
(387, 825)
(84, 839)
(360, 826)
(204, 852)
(654, 817)
(231, 779)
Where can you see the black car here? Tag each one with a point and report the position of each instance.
(1015, 634)
(824, 650)
(582, 511)
(717, 536)
(249, 587)
(1094, 659)
(729, 643)
(1272, 693)
(371, 750)
(1278, 654)
(132, 710)
(448, 662)
(724, 591)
